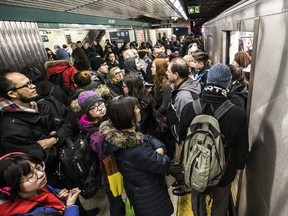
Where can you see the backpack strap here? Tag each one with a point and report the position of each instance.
(225, 107)
(91, 131)
(197, 107)
(52, 89)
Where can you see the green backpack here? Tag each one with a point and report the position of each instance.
(204, 154)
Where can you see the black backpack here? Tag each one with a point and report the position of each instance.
(57, 79)
(78, 165)
(58, 109)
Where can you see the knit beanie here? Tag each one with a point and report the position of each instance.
(220, 75)
(87, 99)
(96, 63)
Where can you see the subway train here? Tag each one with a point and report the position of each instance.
(261, 25)
(256, 26)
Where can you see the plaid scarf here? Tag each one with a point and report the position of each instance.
(9, 106)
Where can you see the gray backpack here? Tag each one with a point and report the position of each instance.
(204, 154)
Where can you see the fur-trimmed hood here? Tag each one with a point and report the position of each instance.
(56, 62)
(121, 139)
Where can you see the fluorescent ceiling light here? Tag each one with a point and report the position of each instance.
(179, 8)
(177, 4)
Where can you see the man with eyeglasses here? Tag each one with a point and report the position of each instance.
(26, 126)
(100, 67)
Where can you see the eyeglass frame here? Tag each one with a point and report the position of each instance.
(29, 83)
(118, 73)
(35, 174)
(101, 103)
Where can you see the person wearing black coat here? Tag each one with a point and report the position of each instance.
(133, 86)
(28, 127)
(96, 47)
(238, 90)
(233, 126)
(44, 87)
(81, 60)
(132, 65)
(141, 159)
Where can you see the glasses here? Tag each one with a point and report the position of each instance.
(29, 85)
(34, 176)
(97, 105)
(118, 73)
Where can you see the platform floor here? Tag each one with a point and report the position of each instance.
(182, 205)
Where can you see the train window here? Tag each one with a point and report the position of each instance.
(240, 42)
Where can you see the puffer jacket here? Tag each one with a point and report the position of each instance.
(66, 68)
(143, 169)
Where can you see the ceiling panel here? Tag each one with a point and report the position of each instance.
(120, 9)
(141, 10)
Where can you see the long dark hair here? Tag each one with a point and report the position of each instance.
(137, 89)
(238, 74)
(121, 112)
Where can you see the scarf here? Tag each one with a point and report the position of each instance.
(24, 206)
(9, 106)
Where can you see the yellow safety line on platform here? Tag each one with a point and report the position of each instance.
(184, 206)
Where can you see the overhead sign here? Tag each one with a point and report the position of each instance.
(193, 9)
(120, 37)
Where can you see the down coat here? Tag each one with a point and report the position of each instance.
(66, 68)
(143, 169)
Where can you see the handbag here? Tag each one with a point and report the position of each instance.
(161, 120)
(115, 178)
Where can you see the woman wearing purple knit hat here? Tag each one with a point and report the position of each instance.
(93, 113)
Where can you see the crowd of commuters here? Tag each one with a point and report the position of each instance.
(115, 92)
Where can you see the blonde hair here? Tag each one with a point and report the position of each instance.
(112, 75)
(188, 58)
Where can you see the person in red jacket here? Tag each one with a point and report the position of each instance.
(67, 69)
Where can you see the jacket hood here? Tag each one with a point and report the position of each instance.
(121, 139)
(129, 65)
(237, 87)
(190, 85)
(84, 124)
(58, 62)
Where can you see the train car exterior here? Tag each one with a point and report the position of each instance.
(265, 179)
